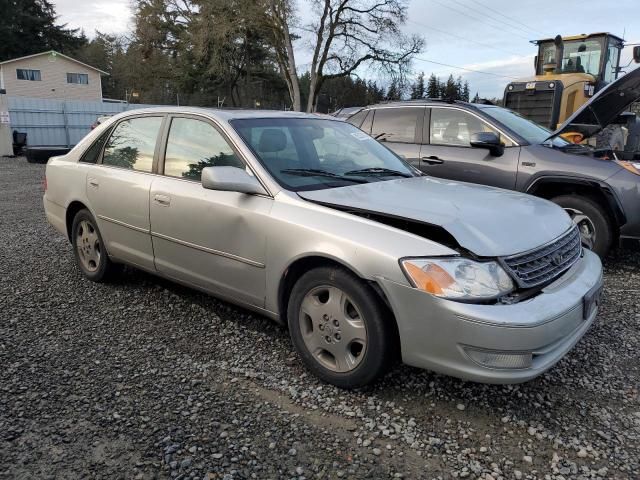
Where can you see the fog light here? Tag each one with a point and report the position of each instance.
(497, 359)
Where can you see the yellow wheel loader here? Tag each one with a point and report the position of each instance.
(569, 71)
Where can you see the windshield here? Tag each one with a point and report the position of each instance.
(530, 131)
(312, 154)
(579, 56)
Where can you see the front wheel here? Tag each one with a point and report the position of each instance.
(592, 221)
(339, 327)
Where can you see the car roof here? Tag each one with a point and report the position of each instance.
(423, 102)
(225, 114)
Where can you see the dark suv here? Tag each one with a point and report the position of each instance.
(494, 146)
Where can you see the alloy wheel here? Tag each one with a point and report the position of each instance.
(333, 328)
(88, 246)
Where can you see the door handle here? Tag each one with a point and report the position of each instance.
(164, 200)
(94, 183)
(432, 160)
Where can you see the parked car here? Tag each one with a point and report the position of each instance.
(491, 145)
(310, 222)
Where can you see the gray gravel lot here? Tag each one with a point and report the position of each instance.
(146, 379)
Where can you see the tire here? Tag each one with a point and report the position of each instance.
(88, 249)
(611, 137)
(592, 219)
(331, 303)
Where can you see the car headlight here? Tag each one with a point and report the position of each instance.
(458, 278)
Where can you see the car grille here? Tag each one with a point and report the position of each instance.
(537, 107)
(546, 263)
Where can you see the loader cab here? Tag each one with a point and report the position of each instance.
(597, 55)
(569, 71)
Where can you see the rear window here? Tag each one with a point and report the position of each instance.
(396, 124)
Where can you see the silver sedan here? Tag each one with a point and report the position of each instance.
(312, 223)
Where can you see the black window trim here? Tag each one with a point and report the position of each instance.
(156, 151)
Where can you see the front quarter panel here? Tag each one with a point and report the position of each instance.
(300, 229)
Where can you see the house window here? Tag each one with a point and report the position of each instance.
(79, 78)
(26, 74)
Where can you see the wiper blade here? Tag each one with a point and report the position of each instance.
(314, 172)
(379, 171)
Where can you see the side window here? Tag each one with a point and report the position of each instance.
(450, 126)
(193, 145)
(132, 144)
(356, 120)
(93, 152)
(396, 124)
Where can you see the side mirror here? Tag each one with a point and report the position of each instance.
(636, 54)
(231, 179)
(488, 140)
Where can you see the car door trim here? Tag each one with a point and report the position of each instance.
(123, 224)
(202, 248)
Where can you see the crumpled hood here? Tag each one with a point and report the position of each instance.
(489, 222)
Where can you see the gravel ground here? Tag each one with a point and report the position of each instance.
(146, 379)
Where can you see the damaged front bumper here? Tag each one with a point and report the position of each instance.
(497, 343)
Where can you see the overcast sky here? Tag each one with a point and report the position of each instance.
(487, 35)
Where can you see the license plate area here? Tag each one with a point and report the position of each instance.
(591, 300)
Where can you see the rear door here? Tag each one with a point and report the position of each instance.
(399, 129)
(447, 153)
(118, 188)
(212, 239)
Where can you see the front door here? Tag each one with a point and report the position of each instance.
(448, 153)
(400, 129)
(212, 239)
(118, 189)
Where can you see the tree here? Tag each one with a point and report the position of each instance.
(433, 87)
(417, 89)
(465, 92)
(395, 91)
(450, 90)
(29, 26)
(476, 98)
(348, 34)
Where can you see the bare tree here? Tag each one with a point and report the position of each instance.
(347, 34)
(279, 17)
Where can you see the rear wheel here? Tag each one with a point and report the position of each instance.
(592, 221)
(339, 327)
(89, 250)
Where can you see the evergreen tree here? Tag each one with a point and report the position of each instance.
(433, 87)
(29, 26)
(417, 89)
(394, 92)
(476, 99)
(450, 90)
(465, 92)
